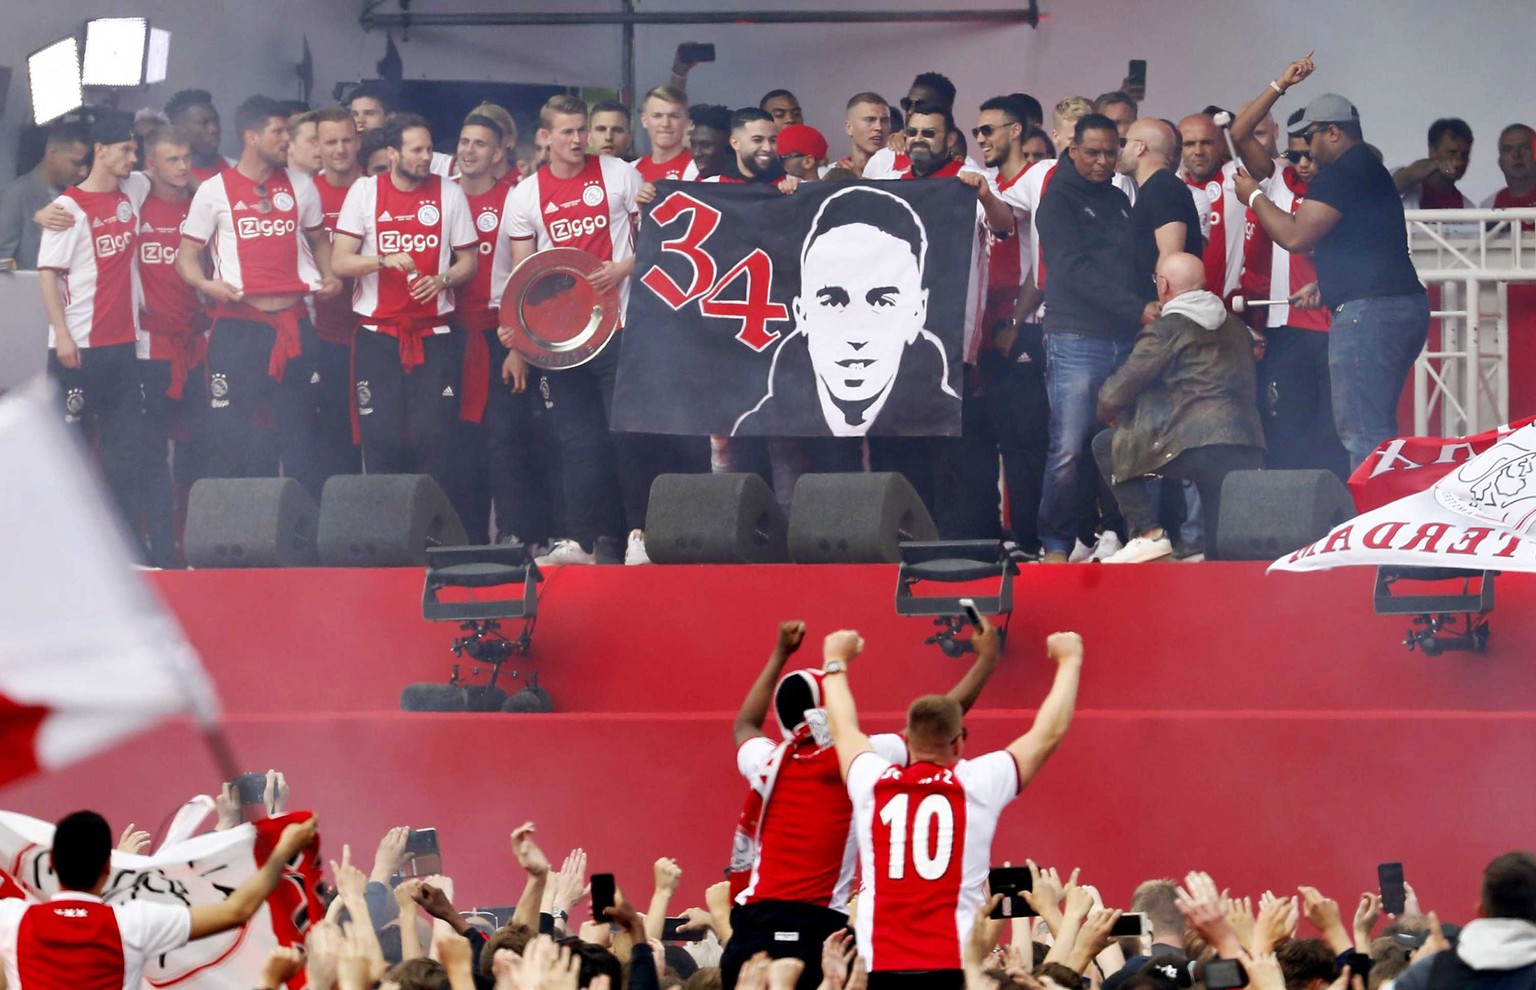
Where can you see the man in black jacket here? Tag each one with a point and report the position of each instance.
(1094, 305)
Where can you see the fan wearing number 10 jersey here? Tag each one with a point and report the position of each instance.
(925, 829)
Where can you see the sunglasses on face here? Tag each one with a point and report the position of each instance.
(1295, 157)
(985, 130)
(927, 132)
(1312, 132)
(264, 203)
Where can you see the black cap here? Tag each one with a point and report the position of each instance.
(112, 126)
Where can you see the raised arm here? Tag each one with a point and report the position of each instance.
(236, 909)
(754, 707)
(533, 861)
(1255, 159)
(1031, 750)
(989, 644)
(838, 650)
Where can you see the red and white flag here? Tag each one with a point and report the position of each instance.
(88, 653)
(1405, 465)
(200, 870)
(1479, 516)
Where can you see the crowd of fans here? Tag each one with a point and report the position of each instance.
(289, 321)
(825, 793)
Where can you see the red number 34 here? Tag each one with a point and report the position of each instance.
(755, 311)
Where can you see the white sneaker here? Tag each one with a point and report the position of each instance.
(634, 551)
(565, 552)
(1081, 552)
(1107, 546)
(1141, 550)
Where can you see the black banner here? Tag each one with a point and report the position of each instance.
(837, 310)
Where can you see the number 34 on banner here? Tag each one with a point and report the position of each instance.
(756, 310)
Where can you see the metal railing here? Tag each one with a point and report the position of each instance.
(1461, 380)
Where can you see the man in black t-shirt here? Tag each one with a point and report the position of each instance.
(1352, 220)
(1164, 218)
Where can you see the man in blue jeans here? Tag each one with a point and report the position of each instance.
(1353, 220)
(1094, 306)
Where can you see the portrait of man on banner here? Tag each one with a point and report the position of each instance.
(861, 354)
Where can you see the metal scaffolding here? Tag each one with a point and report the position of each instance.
(1461, 383)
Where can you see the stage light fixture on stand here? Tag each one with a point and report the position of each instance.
(1442, 621)
(116, 50)
(955, 562)
(483, 642)
(53, 72)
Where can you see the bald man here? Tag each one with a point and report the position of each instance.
(1208, 169)
(1195, 365)
(1165, 218)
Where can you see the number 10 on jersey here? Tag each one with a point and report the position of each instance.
(921, 838)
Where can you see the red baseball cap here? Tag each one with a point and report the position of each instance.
(798, 139)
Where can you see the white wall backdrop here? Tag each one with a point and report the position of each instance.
(1404, 62)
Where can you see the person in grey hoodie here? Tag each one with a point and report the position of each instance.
(1183, 406)
(1497, 951)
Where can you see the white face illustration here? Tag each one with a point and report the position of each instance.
(861, 303)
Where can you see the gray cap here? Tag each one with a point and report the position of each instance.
(1330, 108)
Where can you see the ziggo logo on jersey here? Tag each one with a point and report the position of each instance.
(564, 230)
(109, 244)
(394, 242)
(152, 253)
(249, 227)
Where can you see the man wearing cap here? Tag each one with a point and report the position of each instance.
(1353, 220)
(90, 293)
(803, 151)
(792, 860)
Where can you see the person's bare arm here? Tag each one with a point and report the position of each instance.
(842, 714)
(236, 909)
(320, 244)
(754, 707)
(1298, 234)
(988, 643)
(347, 262)
(668, 873)
(533, 861)
(67, 351)
(1033, 748)
(1254, 158)
(1409, 176)
(1170, 238)
(189, 265)
(406, 899)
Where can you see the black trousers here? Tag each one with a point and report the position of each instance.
(784, 930)
(167, 466)
(1020, 414)
(331, 448)
(101, 399)
(256, 423)
(407, 418)
(514, 455)
(1296, 403)
(579, 401)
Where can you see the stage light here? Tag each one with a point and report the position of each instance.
(954, 562)
(157, 63)
(54, 75)
(114, 51)
(509, 567)
(1444, 619)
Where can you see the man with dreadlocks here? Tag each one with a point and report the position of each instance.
(793, 858)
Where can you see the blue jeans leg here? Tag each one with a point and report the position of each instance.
(1371, 349)
(1076, 366)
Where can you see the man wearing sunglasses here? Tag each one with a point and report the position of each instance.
(1294, 395)
(927, 87)
(1353, 218)
(265, 230)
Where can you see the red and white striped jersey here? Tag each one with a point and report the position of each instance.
(75, 942)
(170, 305)
(925, 846)
(100, 282)
(334, 319)
(1008, 261)
(429, 223)
(1224, 233)
(805, 846)
(478, 308)
(1269, 270)
(593, 211)
(204, 174)
(673, 168)
(256, 230)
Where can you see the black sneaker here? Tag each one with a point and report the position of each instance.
(1188, 553)
(609, 550)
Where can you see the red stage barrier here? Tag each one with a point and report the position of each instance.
(1269, 729)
